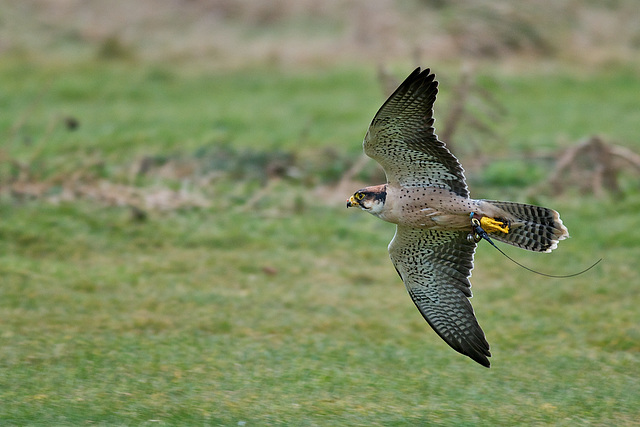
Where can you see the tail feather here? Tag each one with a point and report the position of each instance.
(533, 228)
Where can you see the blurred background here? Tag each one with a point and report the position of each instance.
(294, 33)
(174, 246)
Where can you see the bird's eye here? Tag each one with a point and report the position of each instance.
(359, 196)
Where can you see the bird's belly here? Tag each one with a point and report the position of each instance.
(429, 208)
(429, 218)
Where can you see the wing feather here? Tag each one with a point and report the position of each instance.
(402, 138)
(435, 267)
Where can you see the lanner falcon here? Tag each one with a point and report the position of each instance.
(427, 198)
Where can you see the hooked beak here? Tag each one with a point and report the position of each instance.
(352, 202)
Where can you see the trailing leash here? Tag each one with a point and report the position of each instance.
(479, 233)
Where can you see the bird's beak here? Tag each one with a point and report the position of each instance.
(352, 202)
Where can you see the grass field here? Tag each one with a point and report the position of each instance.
(287, 310)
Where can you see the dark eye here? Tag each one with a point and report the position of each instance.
(359, 196)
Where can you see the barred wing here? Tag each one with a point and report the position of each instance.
(435, 267)
(402, 139)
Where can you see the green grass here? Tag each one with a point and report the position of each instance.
(291, 313)
(545, 111)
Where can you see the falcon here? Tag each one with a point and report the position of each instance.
(437, 223)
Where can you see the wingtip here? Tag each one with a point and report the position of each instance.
(423, 74)
(480, 356)
(483, 361)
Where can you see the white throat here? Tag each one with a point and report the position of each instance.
(376, 208)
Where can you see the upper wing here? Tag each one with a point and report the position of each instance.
(402, 139)
(435, 266)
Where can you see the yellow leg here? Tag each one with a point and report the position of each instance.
(490, 224)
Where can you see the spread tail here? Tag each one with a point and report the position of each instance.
(533, 228)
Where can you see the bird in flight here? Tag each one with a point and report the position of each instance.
(437, 223)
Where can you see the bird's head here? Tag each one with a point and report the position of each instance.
(370, 199)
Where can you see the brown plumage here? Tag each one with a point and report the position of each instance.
(426, 196)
